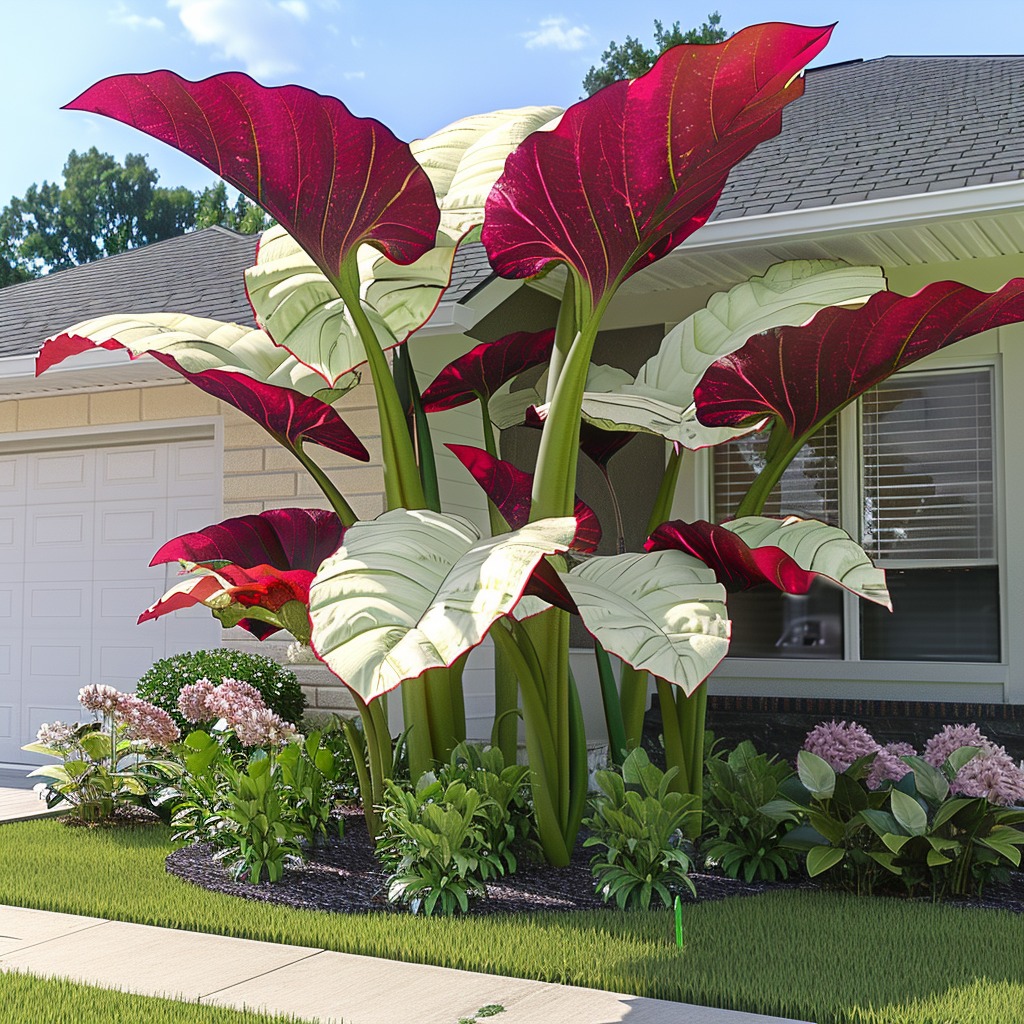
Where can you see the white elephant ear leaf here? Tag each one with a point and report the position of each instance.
(663, 612)
(415, 590)
(660, 400)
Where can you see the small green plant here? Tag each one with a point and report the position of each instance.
(640, 824)
(278, 687)
(442, 842)
(308, 774)
(490, 1010)
(742, 840)
(258, 837)
(830, 829)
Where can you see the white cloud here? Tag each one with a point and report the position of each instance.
(557, 33)
(296, 8)
(259, 34)
(121, 15)
(349, 75)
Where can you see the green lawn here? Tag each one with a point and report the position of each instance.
(824, 957)
(55, 1001)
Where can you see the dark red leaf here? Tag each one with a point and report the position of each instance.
(546, 584)
(332, 179)
(483, 369)
(510, 488)
(285, 538)
(737, 566)
(288, 416)
(597, 444)
(630, 172)
(803, 375)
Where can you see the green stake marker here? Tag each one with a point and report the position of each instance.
(679, 922)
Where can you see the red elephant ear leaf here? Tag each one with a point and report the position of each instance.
(263, 586)
(286, 538)
(546, 584)
(801, 376)
(483, 369)
(598, 444)
(630, 172)
(737, 566)
(510, 488)
(63, 346)
(290, 417)
(332, 179)
(184, 595)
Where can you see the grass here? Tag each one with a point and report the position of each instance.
(55, 1001)
(830, 958)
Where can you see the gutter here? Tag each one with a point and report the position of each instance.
(867, 215)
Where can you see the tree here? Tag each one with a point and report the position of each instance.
(105, 207)
(632, 58)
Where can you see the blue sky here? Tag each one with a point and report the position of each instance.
(414, 65)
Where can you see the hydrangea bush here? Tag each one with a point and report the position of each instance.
(991, 773)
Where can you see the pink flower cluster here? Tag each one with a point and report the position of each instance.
(142, 722)
(145, 722)
(840, 743)
(993, 774)
(241, 706)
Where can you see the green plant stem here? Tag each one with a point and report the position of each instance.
(675, 748)
(402, 485)
(612, 706)
(633, 683)
(419, 735)
(620, 530)
(540, 744)
(782, 449)
(565, 333)
(424, 441)
(343, 509)
(692, 715)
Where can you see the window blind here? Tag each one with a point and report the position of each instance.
(809, 488)
(928, 467)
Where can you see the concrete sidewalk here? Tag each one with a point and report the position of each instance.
(311, 983)
(19, 804)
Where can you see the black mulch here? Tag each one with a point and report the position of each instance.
(342, 875)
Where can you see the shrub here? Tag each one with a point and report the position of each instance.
(742, 839)
(641, 832)
(278, 687)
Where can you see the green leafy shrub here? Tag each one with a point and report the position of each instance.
(442, 842)
(741, 839)
(640, 823)
(278, 687)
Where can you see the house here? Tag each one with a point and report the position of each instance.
(914, 163)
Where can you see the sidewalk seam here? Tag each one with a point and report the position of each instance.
(53, 938)
(263, 974)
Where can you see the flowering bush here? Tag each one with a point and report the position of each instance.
(108, 763)
(239, 707)
(276, 686)
(991, 773)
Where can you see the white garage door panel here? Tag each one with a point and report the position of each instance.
(77, 531)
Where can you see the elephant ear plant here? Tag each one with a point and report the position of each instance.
(368, 227)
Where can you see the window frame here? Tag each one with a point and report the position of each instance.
(851, 498)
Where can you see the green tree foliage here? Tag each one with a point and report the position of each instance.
(104, 207)
(632, 58)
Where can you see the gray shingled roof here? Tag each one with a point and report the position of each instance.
(893, 126)
(863, 130)
(198, 273)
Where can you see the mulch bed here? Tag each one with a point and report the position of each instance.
(343, 876)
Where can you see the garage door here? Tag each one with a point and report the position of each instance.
(77, 531)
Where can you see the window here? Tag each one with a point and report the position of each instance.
(918, 491)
